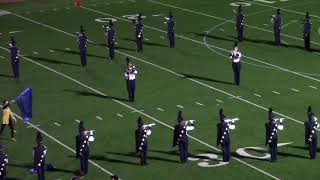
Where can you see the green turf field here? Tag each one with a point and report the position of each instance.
(195, 75)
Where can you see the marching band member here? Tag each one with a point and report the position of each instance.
(39, 157)
(14, 51)
(277, 26)
(223, 137)
(235, 56)
(141, 133)
(82, 42)
(80, 130)
(114, 177)
(239, 23)
(170, 29)
(182, 141)
(130, 75)
(111, 35)
(82, 144)
(307, 31)
(176, 129)
(311, 138)
(3, 163)
(8, 118)
(139, 34)
(272, 128)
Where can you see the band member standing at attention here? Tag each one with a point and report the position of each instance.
(130, 75)
(235, 57)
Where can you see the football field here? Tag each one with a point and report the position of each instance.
(195, 77)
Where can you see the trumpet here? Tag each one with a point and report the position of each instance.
(189, 125)
(279, 121)
(90, 134)
(231, 122)
(147, 127)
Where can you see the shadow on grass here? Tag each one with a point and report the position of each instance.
(51, 61)
(6, 76)
(78, 53)
(205, 79)
(132, 154)
(145, 42)
(84, 93)
(116, 47)
(104, 158)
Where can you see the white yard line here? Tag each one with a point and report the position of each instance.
(120, 115)
(296, 90)
(218, 100)
(160, 109)
(231, 21)
(276, 92)
(77, 120)
(37, 125)
(34, 52)
(160, 122)
(51, 50)
(200, 104)
(156, 15)
(179, 106)
(100, 118)
(196, 41)
(68, 49)
(226, 93)
(313, 87)
(13, 32)
(285, 25)
(232, 97)
(57, 124)
(282, 9)
(61, 143)
(1, 57)
(137, 111)
(258, 95)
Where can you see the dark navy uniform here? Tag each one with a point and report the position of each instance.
(83, 152)
(272, 135)
(240, 23)
(223, 137)
(183, 140)
(139, 34)
(39, 157)
(82, 42)
(311, 138)
(277, 23)
(170, 30)
(306, 31)
(176, 129)
(80, 130)
(3, 163)
(111, 34)
(235, 56)
(114, 177)
(130, 75)
(14, 51)
(141, 142)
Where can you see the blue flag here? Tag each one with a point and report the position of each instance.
(24, 101)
